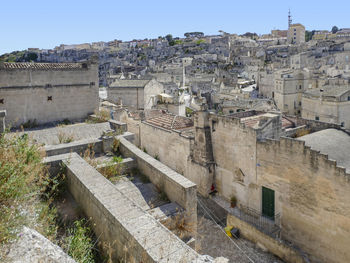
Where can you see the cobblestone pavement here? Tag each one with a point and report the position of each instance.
(214, 242)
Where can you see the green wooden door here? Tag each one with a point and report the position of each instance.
(268, 202)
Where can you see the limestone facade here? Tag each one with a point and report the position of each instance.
(48, 92)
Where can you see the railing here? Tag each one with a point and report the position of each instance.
(267, 225)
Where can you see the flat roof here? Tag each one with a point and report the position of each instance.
(334, 143)
(129, 83)
(328, 91)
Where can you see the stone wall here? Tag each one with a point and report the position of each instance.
(279, 249)
(312, 196)
(170, 147)
(48, 95)
(132, 234)
(95, 145)
(177, 188)
(326, 111)
(128, 96)
(234, 149)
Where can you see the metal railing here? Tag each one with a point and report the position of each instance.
(267, 225)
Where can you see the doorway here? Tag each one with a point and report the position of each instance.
(268, 203)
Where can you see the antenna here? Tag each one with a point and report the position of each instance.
(289, 19)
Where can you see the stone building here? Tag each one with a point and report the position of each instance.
(288, 90)
(296, 34)
(328, 104)
(135, 93)
(48, 92)
(301, 184)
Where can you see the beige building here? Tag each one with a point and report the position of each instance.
(328, 104)
(288, 89)
(135, 93)
(298, 183)
(48, 92)
(296, 34)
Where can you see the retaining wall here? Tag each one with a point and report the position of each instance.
(132, 234)
(279, 249)
(177, 187)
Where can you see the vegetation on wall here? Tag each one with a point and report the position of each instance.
(27, 198)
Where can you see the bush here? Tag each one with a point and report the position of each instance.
(23, 183)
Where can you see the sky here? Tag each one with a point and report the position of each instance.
(49, 23)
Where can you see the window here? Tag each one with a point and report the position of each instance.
(1, 101)
(299, 86)
(317, 118)
(342, 124)
(92, 83)
(348, 97)
(231, 111)
(299, 103)
(49, 98)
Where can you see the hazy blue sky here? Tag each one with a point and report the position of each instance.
(48, 23)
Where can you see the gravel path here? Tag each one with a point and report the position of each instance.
(214, 242)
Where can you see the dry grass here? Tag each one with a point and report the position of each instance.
(65, 138)
(26, 190)
(179, 226)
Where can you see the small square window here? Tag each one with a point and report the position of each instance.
(317, 118)
(348, 97)
(49, 98)
(2, 101)
(342, 124)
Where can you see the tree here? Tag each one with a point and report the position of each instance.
(194, 34)
(30, 57)
(335, 29)
(250, 35)
(169, 37)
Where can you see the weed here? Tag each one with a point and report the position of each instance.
(179, 226)
(65, 138)
(156, 157)
(30, 124)
(115, 145)
(112, 168)
(79, 242)
(144, 150)
(23, 181)
(101, 115)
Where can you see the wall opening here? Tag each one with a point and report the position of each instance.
(49, 98)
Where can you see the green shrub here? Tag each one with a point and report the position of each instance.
(79, 242)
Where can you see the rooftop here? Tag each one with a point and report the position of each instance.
(129, 83)
(328, 91)
(334, 143)
(40, 66)
(171, 122)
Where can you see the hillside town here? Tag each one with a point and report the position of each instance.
(202, 148)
